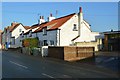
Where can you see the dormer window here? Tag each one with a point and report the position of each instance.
(45, 31)
(75, 27)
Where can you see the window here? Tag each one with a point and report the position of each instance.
(45, 43)
(20, 30)
(22, 36)
(74, 27)
(30, 34)
(51, 42)
(45, 31)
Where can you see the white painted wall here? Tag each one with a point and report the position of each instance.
(50, 18)
(86, 35)
(67, 33)
(16, 33)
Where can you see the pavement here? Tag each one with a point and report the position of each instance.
(107, 53)
(17, 65)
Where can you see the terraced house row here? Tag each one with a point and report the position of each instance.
(68, 30)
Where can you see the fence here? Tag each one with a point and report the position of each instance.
(31, 51)
(42, 51)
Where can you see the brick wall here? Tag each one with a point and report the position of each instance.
(56, 52)
(85, 51)
(70, 53)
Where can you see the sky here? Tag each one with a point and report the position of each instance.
(102, 16)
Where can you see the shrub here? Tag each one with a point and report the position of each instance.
(30, 42)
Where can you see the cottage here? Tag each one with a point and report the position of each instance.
(65, 31)
(69, 30)
(11, 35)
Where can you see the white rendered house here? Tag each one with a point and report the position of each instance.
(12, 35)
(65, 31)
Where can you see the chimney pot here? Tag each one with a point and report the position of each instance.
(80, 9)
(42, 17)
(13, 23)
(50, 14)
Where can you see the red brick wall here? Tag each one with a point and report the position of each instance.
(85, 51)
(70, 52)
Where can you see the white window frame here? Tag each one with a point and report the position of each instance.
(75, 27)
(44, 31)
(20, 30)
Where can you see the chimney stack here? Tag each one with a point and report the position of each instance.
(41, 20)
(80, 20)
(50, 18)
(42, 17)
(13, 23)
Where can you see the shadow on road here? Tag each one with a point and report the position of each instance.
(109, 62)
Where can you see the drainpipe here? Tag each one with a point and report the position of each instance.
(59, 36)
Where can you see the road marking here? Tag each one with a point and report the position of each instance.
(18, 64)
(110, 59)
(47, 75)
(66, 76)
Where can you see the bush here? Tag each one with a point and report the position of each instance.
(30, 42)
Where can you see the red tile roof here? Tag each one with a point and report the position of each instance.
(15, 25)
(35, 26)
(27, 27)
(59, 21)
(11, 28)
(56, 23)
(40, 27)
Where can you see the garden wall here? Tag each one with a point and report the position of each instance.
(70, 53)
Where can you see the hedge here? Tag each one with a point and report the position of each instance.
(30, 42)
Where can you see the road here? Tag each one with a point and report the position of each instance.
(17, 65)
